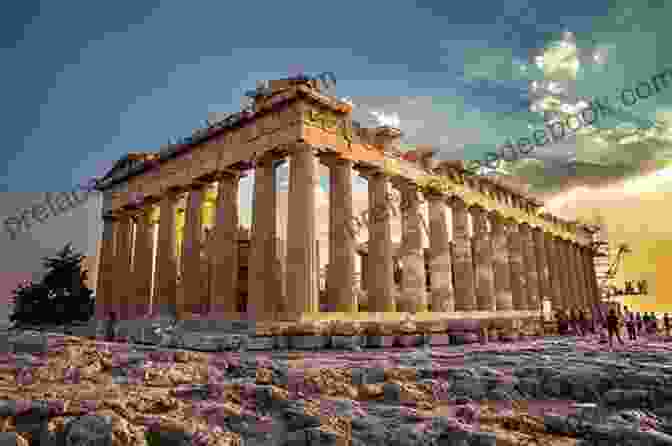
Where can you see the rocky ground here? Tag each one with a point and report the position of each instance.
(548, 391)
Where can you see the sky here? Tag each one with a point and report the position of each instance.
(89, 83)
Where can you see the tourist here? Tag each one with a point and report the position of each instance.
(630, 324)
(612, 328)
(666, 323)
(653, 324)
(111, 327)
(638, 323)
(646, 324)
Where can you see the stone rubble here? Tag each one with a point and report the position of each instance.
(552, 391)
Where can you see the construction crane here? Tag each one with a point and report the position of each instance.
(623, 249)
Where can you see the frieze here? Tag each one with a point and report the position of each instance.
(328, 120)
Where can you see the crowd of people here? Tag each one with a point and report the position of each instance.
(577, 323)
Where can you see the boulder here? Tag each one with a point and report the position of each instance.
(379, 341)
(345, 342)
(31, 344)
(88, 430)
(12, 439)
(311, 437)
(309, 342)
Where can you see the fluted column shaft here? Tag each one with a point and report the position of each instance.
(225, 262)
(485, 286)
(592, 276)
(580, 276)
(105, 287)
(543, 270)
(166, 260)
(530, 263)
(518, 290)
(441, 270)
(142, 263)
(414, 289)
(465, 292)
(554, 264)
(301, 232)
(193, 297)
(564, 273)
(500, 264)
(380, 267)
(261, 283)
(122, 265)
(340, 273)
(573, 275)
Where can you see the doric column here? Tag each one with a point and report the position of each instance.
(518, 276)
(543, 270)
(225, 262)
(194, 290)
(564, 272)
(530, 263)
(364, 279)
(301, 233)
(105, 295)
(441, 269)
(465, 292)
(142, 262)
(380, 264)
(500, 264)
(592, 277)
(122, 267)
(166, 260)
(580, 276)
(485, 280)
(414, 288)
(262, 295)
(573, 276)
(340, 272)
(553, 260)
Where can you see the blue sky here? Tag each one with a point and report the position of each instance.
(86, 83)
(90, 82)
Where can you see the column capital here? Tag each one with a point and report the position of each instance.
(525, 226)
(476, 209)
(456, 202)
(511, 223)
(369, 171)
(496, 218)
(434, 196)
(230, 173)
(277, 155)
(196, 186)
(332, 158)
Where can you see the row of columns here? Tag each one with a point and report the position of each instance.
(502, 266)
(509, 267)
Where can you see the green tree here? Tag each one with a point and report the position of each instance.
(61, 296)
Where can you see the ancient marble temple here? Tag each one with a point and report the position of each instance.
(172, 242)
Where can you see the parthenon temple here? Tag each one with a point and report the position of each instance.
(173, 243)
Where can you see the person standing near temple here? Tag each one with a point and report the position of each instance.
(630, 324)
(666, 324)
(638, 323)
(612, 328)
(646, 322)
(653, 321)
